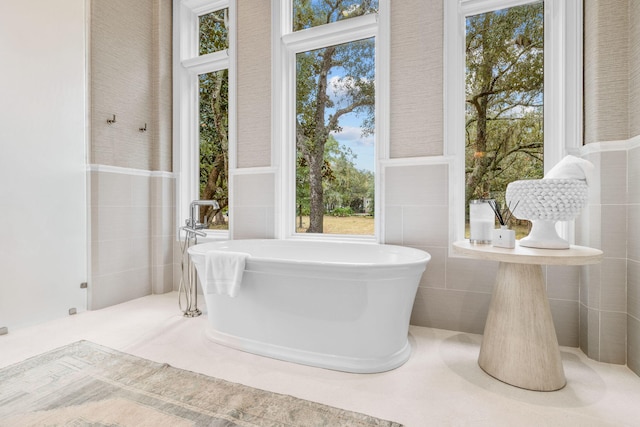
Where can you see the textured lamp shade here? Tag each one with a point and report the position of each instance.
(543, 202)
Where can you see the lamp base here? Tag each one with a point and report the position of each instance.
(543, 235)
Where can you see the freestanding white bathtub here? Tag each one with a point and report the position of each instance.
(336, 305)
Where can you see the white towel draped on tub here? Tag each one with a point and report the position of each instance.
(223, 272)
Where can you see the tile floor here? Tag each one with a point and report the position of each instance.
(440, 385)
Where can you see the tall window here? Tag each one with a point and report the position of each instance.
(214, 146)
(504, 98)
(512, 94)
(204, 106)
(331, 48)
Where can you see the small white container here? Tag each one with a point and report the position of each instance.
(482, 221)
(503, 238)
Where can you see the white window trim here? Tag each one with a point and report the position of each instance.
(562, 90)
(286, 44)
(188, 65)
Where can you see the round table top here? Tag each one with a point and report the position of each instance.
(575, 255)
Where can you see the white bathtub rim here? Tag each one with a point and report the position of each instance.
(424, 258)
(313, 267)
(318, 360)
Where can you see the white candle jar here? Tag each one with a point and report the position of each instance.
(482, 221)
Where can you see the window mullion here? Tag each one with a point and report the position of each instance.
(284, 130)
(201, 7)
(207, 63)
(454, 97)
(332, 34)
(476, 7)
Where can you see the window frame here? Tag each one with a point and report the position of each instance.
(188, 65)
(562, 91)
(286, 44)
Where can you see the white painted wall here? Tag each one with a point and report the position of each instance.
(43, 213)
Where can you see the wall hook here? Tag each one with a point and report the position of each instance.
(112, 121)
(144, 129)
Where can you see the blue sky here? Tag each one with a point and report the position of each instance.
(362, 147)
(351, 134)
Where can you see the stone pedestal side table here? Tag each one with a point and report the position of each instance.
(519, 346)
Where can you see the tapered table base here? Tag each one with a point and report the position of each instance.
(519, 345)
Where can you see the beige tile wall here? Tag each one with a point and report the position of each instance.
(162, 211)
(604, 286)
(633, 261)
(609, 322)
(254, 206)
(454, 293)
(131, 236)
